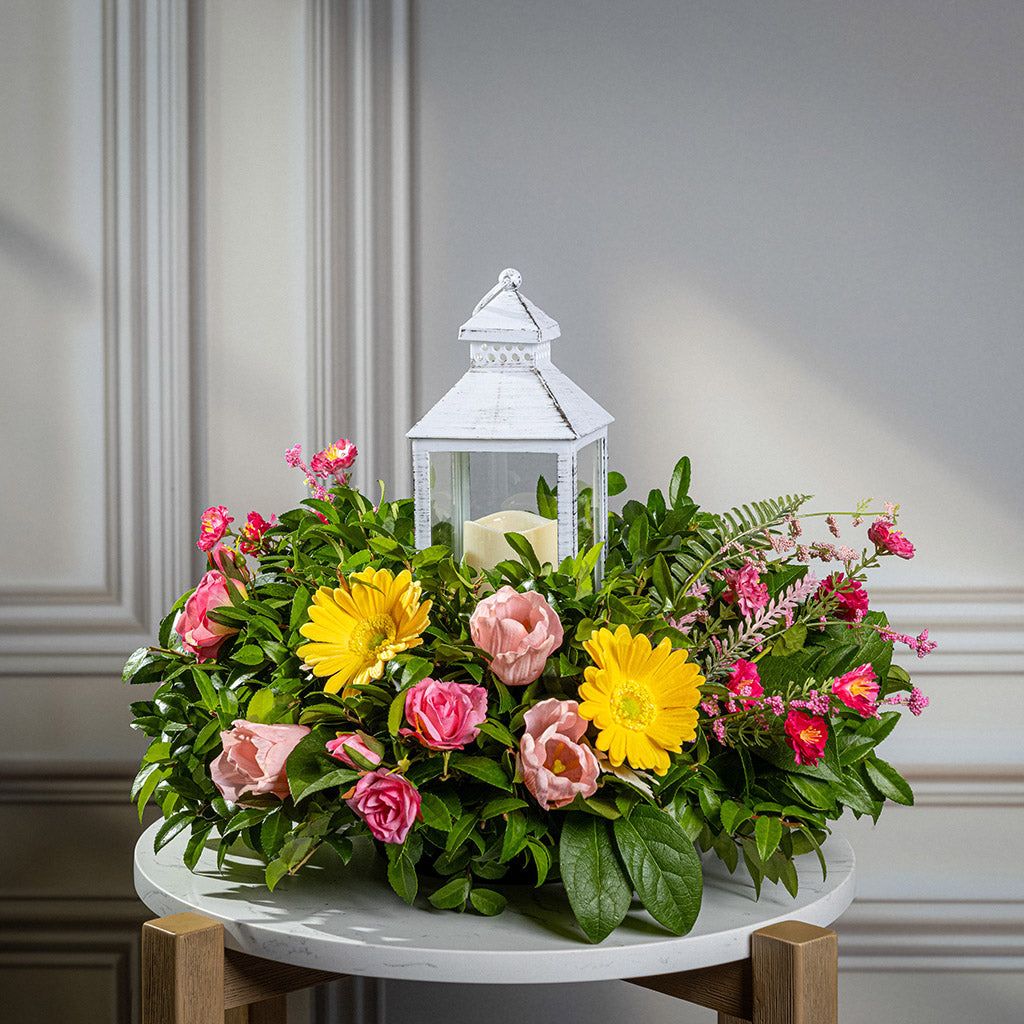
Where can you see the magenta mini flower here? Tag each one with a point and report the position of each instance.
(387, 803)
(294, 456)
(253, 759)
(858, 689)
(213, 526)
(885, 538)
(199, 633)
(851, 598)
(806, 735)
(745, 589)
(745, 682)
(334, 459)
(554, 764)
(443, 715)
(349, 741)
(252, 533)
(519, 631)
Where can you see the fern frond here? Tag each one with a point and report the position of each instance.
(757, 516)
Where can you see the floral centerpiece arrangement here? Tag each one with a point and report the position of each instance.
(327, 681)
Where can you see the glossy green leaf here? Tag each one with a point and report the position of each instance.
(595, 882)
(663, 865)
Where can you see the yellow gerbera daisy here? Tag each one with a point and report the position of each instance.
(643, 700)
(358, 626)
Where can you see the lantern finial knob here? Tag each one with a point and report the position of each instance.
(508, 280)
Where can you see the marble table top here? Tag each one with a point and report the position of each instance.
(347, 919)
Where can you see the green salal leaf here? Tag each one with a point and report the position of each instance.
(767, 834)
(434, 812)
(524, 549)
(733, 814)
(250, 654)
(487, 901)
(680, 484)
(451, 895)
(483, 768)
(500, 805)
(888, 781)
(176, 823)
(402, 874)
(309, 762)
(663, 865)
(261, 706)
(276, 870)
(616, 484)
(598, 889)
(194, 847)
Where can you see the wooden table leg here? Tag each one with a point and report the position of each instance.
(795, 970)
(183, 970)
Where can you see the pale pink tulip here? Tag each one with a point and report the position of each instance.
(519, 631)
(554, 764)
(253, 759)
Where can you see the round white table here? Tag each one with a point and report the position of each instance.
(347, 920)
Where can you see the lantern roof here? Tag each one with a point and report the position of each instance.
(512, 391)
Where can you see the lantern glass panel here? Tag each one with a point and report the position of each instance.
(589, 484)
(478, 496)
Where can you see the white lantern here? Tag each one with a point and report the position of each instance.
(515, 446)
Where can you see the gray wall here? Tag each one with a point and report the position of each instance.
(784, 238)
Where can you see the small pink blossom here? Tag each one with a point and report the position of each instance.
(744, 587)
(745, 682)
(199, 633)
(519, 631)
(253, 759)
(293, 456)
(851, 598)
(387, 803)
(833, 526)
(334, 459)
(252, 533)
(555, 764)
(718, 728)
(444, 715)
(858, 689)
(806, 735)
(885, 538)
(348, 741)
(213, 526)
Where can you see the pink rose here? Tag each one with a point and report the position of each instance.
(883, 536)
(212, 526)
(806, 735)
(519, 631)
(555, 766)
(351, 741)
(444, 716)
(745, 682)
(851, 597)
(253, 759)
(858, 689)
(199, 633)
(387, 803)
(745, 589)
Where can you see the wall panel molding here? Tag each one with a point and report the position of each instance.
(147, 428)
(360, 230)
